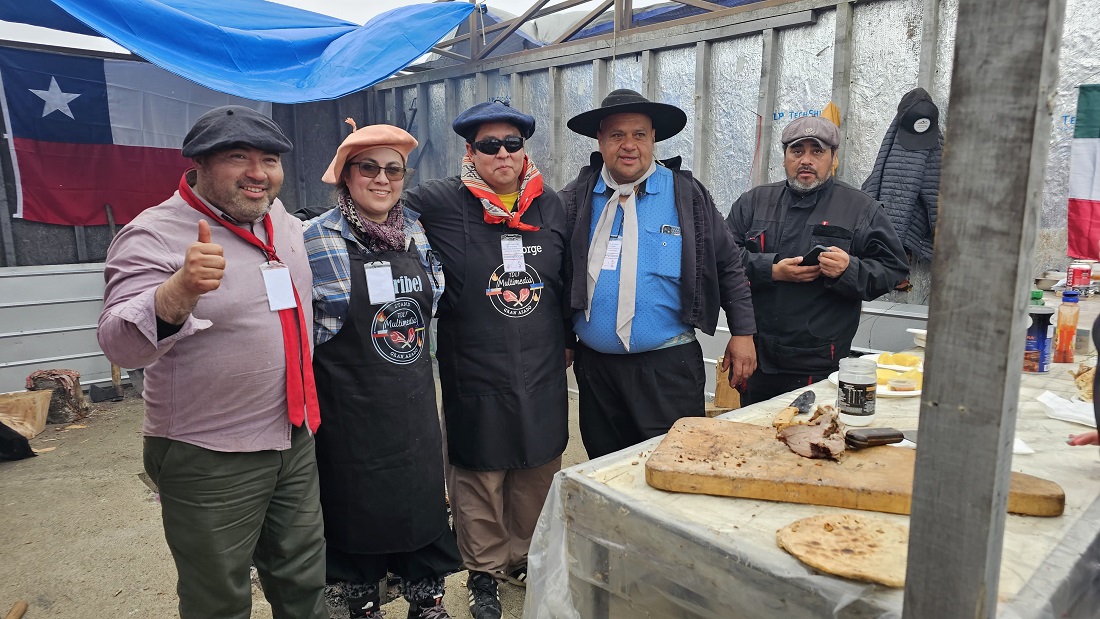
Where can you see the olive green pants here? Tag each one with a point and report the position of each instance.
(225, 511)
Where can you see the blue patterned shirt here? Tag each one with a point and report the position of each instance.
(328, 258)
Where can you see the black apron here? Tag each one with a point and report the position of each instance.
(502, 353)
(380, 449)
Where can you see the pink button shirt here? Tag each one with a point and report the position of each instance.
(220, 382)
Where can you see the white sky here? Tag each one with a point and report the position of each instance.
(358, 11)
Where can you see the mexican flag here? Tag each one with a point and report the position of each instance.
(1084, 176)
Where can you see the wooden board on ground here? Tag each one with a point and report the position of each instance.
(25, 411)
(727, 458)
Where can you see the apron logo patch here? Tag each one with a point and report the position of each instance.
(398, 331)
(514, 294)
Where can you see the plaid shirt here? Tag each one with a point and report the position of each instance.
(328, 258)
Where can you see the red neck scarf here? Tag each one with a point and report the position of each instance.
(495, 213)
(301, 391)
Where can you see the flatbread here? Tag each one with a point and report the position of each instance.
(857, 546)
(1083, 378)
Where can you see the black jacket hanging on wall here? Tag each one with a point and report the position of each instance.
(907, 180)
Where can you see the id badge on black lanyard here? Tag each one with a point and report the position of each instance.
(379, 282)
(511, 249)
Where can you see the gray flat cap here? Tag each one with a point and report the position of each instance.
(229, 125)
(816, 128)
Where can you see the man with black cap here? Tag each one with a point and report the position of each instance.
(500, 235)
(651, 263)
(815, 249)
(203, 292)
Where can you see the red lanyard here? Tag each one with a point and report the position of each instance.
(301, 391)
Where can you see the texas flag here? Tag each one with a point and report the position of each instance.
(87, 132)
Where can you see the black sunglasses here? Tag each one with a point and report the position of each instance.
(370, 169)
(492, 145)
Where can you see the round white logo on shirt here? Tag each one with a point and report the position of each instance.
(398, 331)
(921, 125)
(514, 294)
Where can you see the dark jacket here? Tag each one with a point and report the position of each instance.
(806, 328)
(907, 182)
(711, 269)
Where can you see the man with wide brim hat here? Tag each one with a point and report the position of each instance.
(500, 234)
(815, 248)
(652, 262)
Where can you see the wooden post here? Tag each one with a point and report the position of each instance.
(929, 33)
(1006, 60)
(81, 244)
(649, 75)
(703, 105)
(769, 83)
(600, 81)
(557, 126)
(424, 135)
(842, 72)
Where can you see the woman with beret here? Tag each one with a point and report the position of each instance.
(379, 452)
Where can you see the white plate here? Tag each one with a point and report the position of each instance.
(882, 391)
(900, 368)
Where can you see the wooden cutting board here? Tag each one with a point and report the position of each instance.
(727, 458)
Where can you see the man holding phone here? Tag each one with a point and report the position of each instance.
(815, 249)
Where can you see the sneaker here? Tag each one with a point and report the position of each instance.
(484, 599)
(517, 577)
(433, 611)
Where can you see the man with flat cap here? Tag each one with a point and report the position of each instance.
(815, 249)
(500, 235)
(205, 291)
(651, 263)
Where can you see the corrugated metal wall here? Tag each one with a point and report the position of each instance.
(718, 71)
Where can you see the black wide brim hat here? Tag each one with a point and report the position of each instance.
(668, 120)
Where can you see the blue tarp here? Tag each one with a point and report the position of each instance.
(255, 49)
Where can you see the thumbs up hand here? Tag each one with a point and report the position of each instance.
(203, 265)
(202, 271)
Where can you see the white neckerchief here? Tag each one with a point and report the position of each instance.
(628, 258)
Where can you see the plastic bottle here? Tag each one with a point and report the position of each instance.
(1039, 348)
(1065, 335)
(1037, 297)
(855, 398)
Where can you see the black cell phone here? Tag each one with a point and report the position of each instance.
(859, 438)
(810, 259)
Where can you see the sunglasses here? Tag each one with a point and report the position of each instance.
(492, 145)
(370, 169)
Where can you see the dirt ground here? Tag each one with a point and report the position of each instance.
(80, 531)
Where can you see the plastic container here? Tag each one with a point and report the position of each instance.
(902, 384)
(1065, 334)
(855, 398)
(1037, 297)
(1039, 348)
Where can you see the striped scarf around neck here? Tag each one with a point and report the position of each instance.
(494, 212)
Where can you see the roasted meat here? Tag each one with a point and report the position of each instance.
(821, 437)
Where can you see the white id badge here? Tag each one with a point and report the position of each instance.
(280, 290)
(511, 247)
(379, 283)
(611, 258)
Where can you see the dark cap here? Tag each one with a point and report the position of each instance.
(918, 121)
(495, 111)
(816, 128)
(668, 120)
(232, 125)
